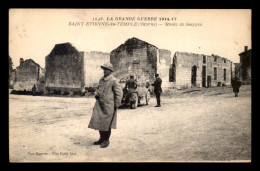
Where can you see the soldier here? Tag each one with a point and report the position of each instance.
(157, 89)
(108, 99)
(131, 83)
(130, 86)
(236, 83)
(34, 90)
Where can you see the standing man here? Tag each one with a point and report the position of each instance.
(34, 90)
(130, 86)
(131, 83)
(236, 83)
(108, 99)
(157, 89)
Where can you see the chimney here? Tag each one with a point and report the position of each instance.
(246, 48)
(21, 61)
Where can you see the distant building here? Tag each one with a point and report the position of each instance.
(245, 69)
(198, 70)
(142, 59)
(27, 74)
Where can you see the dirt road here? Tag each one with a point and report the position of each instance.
(204, 125)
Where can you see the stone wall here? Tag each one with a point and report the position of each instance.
(92, 62)
(184, 62)
(64, 68)
(27, 74)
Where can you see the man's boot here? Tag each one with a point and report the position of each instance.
(104, 144)
(98, 142)
(101, 139)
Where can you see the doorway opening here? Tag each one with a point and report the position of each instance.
(203, 76)
(193, 75)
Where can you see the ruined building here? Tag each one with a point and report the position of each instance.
(27, 74)
(69, 70)
(64, 69)
(141, 59)
(245, 68)
(198, 70)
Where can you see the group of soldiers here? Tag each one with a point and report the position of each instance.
(131, 86)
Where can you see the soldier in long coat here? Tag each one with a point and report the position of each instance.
(34, 90)
(157, 89)
(236, 83)
(131, 86)
(108, 98)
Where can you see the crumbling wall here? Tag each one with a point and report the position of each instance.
(184, 62)
(64, 69)
(93, 72)
(165, 55)
(163, 67)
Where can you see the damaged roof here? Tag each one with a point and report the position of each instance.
(133, 43)
(28, 61)
(63, 49)
(191, 54)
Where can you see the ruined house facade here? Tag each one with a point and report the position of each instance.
(141, 59)
(69, 70)
(198, 70)
(64, 69)
(245, 68)
(27, 74)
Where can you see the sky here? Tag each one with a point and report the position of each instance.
(34, 32)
